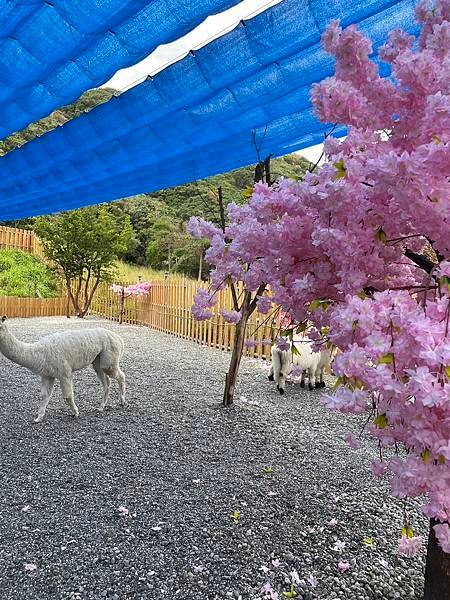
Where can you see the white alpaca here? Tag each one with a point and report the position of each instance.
(313, 363)
(58, 355)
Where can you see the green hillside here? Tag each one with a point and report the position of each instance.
(24, 275)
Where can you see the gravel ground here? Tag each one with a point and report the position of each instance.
(182, 465)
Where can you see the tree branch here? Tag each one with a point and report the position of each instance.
(421, 261)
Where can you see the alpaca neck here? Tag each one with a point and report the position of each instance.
(17, 351)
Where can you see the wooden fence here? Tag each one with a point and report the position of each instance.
(20, 239)
(167, 308)
(32, 307)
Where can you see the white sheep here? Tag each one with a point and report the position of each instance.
(313, 363)
(58, 355)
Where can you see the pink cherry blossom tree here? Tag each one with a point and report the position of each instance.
(360, 250)
(135, 290)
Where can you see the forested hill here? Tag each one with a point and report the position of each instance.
(159, 215)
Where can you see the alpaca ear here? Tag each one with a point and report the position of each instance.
(3, 318)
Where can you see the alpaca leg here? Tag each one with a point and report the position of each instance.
(105, 381)
(119, 376)
(67, 392)
(47, 384)
(271, 377)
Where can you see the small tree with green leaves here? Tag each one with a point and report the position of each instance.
(84, 245)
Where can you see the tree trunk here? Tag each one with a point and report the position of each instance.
(73, 299)
(83, 312)
(122, 305)
(437, 570)
(238, 346)
(200, 265)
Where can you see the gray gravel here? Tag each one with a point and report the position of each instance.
(182, 465)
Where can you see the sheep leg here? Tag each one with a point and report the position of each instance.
(318, 374)
(322, 382)
(284, 371)
(271, 377)
(302, 379)
(281, 382)
(312, 378)
(67, 392)
(105, 381)
(47, 384)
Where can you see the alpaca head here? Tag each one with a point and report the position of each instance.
(2, 324)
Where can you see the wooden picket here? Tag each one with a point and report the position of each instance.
(20, 239)
(167, 308)
(32, 307)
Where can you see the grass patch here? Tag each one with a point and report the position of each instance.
(130, 273)
(25, 276)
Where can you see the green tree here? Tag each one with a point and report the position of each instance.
(171, 248)
(84, 245)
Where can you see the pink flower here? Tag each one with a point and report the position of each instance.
(251, 343)
(296, 371)
(295, 579)
(338, 250)
(352, 441)
(264, 304)
(339, 545)
(343, 566)
(442, 533)
(444, 269)
(203, 302)
(409, 546)
(283, 345)
(269, 593)
(199, 228)
(231, 316)
(378, 468)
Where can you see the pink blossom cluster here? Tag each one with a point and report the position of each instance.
(231, 316)
(361, 248)
(409, 546)
(137, 289)
(203, 303)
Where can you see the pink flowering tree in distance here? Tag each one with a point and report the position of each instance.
(130, 291)
(359, 251)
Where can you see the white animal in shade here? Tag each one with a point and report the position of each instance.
(312, 364)
(58, 355)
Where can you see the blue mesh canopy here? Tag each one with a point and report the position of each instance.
(52, 52)
(203, 115)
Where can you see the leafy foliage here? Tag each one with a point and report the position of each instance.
(25, 276)
(159, 218)
(84, 245)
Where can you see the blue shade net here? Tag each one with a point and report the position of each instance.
(206, 114)
(53, 51)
